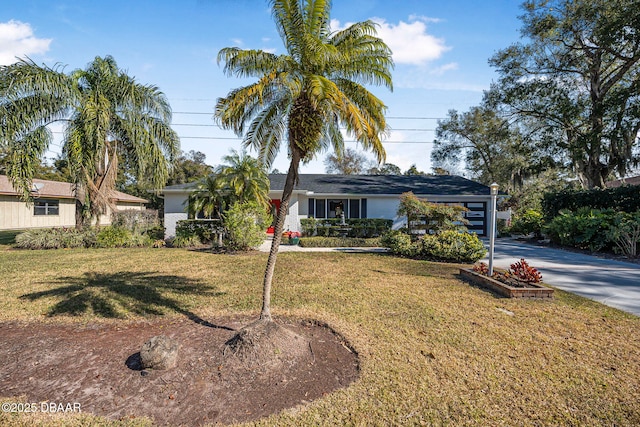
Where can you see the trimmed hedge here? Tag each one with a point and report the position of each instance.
(358, 227)
(338, 242)
(624, 199)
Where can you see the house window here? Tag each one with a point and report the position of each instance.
(46, 207)
(331, 208)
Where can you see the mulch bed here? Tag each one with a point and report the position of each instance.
(95, 365)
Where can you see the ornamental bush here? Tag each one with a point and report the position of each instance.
(245, 224)
(585, 228)
(451, 246)
(113, 237)
(399, 243)
(55, 238)
(528, 222)
(204, 229)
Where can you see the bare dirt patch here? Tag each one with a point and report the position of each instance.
(97, 366)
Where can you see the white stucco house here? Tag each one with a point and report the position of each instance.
(53, 205)
(359, 196)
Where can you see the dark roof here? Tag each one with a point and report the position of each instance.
(383, 184)
(373, 184)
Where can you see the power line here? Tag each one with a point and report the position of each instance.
(389, 117)
(204, 125)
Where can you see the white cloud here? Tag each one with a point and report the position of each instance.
(269, 49)
(17, 40)
(409, 41)
(237, 42)
(444, 68)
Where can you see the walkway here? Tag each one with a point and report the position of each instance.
(610, 282)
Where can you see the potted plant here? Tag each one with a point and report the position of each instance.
(291, 237)
(294, 237)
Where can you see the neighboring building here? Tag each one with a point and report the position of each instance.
(53, 205)
(635, 180)
(358, 196)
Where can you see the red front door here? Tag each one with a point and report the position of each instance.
(275, 207)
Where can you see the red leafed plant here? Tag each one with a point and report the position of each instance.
(481, 268)
(523, 271)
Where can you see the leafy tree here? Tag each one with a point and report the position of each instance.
(189, 167)
(385, 169)
(492, 149)
(302, 97)
(106, 115)
(437, 217)
(349, 162)
(578, 75)
(413, 171)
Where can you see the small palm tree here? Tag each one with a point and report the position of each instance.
(302, 97)
(105, 114)
(241, 178)
(244, 178)
(208, 198)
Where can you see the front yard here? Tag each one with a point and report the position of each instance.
(433, 350)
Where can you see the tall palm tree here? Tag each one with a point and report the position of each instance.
(304, 96)
(105, 113)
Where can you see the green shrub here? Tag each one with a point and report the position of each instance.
(55, 238)
(625, 233)
(356, 227)
(185, 241)
(338, 242)
(451, 246)
(448, 245)
(530, 221)
(584, 229)
(113, 237)
(136, 221)
(625, 199)
(245, 224)
(205, 229)
(399, 243)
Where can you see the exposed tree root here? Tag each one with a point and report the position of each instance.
(265, 343)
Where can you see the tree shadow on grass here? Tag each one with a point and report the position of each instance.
(117, 295)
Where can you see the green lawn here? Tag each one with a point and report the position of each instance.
(434, 350)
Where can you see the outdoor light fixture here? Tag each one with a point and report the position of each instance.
(492, 230)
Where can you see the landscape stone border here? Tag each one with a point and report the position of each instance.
(533, 290)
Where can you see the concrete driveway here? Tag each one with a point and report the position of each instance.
(610, 282)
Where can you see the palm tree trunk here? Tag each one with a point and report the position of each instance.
(292, 175)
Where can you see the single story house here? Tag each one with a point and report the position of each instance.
(358, 196)
(53, 205)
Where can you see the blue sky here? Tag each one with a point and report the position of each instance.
(440, 49)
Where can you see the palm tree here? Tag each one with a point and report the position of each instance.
(208, 197)
(244, 178)
(239, 179)
(304, 96)
(105, 113)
